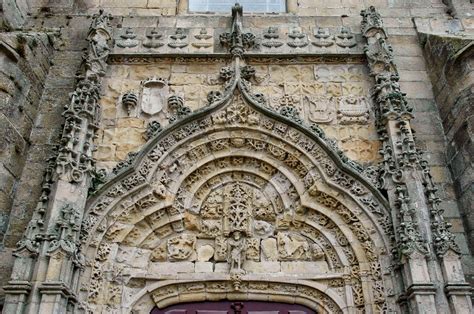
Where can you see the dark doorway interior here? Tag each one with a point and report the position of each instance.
(234, 307)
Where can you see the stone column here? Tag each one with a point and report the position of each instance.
(422, 235)
(49, 257)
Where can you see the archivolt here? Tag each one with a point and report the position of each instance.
(325, 200)
(307, 293)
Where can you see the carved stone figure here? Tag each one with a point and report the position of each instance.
(99, 37)
(292, 246)
(237, 248)
(210, 228)
(262, 228)
(153, 128)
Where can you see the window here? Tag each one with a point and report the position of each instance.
(256, 6)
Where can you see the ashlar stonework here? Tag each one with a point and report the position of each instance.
(262, 159)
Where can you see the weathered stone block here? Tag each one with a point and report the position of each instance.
(269, 249)
(262, 267)
(316, 267)
(203, 267)
(124, 3)
(205, 253)
(221, 267)
(171, 267)
(161, 4)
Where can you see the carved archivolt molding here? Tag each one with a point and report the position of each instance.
(306, 293)
(172, 197)
(233, 186)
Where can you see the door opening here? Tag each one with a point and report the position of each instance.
(234, 307)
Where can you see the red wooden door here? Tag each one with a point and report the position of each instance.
(228, 307)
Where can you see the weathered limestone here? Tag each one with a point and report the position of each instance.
(50, 241)
(409, 183)
(250, 173)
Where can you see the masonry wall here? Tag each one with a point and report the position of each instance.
(452, 75)
(35, 81)
(24, 65)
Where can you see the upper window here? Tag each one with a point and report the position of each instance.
(257, 6)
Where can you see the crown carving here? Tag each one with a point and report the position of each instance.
(154, 81)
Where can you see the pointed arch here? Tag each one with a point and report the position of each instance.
(312, 208)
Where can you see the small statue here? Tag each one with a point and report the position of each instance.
(236, 252)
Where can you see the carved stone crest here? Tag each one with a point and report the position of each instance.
(322, 38)
(353, 109)
(298, 39)
(321, 108)
(154, 95)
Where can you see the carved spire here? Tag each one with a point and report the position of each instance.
(391, 105)
(406, 175)
(236, 39)
(82, 113)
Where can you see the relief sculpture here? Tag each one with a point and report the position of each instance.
(353, 109)
(154, 94)
(236, 252)
(181, 247)
(321, 108)
(292, 247)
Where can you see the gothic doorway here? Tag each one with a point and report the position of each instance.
(229, 307)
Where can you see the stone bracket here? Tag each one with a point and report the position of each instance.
(458, 289)
(417, 290)
(56, 288)
(17, 287)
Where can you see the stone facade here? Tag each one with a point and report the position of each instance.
(152, 156)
